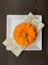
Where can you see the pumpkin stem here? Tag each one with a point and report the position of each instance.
(25, 34)
(26, 40)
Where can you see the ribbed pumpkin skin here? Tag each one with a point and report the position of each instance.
(24, 34)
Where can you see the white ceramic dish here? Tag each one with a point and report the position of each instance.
(13, 20)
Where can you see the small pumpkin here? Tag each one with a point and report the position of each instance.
(24, 34)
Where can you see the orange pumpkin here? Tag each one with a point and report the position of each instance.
(24, 34)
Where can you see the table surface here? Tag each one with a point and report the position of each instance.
(37, 7)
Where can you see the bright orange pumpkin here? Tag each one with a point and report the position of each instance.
(24, 34)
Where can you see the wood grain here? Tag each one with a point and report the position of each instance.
(23, 7)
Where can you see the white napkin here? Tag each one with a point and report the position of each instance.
(33, 20)
(13, 46)
(10, 42)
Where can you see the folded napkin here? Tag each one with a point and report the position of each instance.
(14, 46)
(33, 20)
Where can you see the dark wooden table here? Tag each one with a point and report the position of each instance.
(24, 7)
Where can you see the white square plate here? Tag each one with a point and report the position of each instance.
(13, 20)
